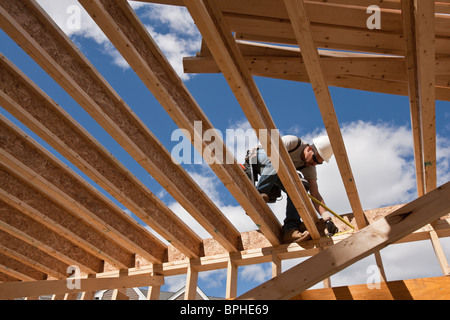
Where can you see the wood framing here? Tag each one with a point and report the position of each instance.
(368, 240)
(53, 221)
(156, 73)
(67, 137)
(78, 77)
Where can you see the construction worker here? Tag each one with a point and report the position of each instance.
(305, 158)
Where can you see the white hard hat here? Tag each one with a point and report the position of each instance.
(323, 147)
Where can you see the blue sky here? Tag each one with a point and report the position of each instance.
(375, 127)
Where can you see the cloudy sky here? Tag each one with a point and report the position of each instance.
(375, 127)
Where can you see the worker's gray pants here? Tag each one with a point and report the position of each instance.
(268, 179)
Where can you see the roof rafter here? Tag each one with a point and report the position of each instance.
(160, 78)
(42, 115)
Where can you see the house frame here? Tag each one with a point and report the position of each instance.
(47, 210)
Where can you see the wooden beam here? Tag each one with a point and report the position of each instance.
(219, 39)
(38, 288)
(31, 162)
(78, 77)
(302, 30)
(42, 115)
(413, 289)
(366, 241)
(419, 26)
(337, 38)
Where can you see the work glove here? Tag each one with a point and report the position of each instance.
(331, 228)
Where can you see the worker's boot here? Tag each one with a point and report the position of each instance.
(294, 235)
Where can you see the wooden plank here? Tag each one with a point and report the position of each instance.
(366, 241)
(31, 162)
(426, 53)
(153, 291)
(46, 287)
(412, 289)
(42, 115)
(164, 83)
(302, 29)
(409, 27)
(209, 20)
(380, 67)
(78, 77)
(266, 254)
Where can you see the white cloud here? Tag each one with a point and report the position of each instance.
(213, 278)
(256, 273)
(174, 283)
(174, 31)
(381, 159)
(171, 27)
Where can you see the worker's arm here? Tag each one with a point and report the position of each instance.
(314, 191)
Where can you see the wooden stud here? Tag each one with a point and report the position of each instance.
(232, 279)
(190, 292)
